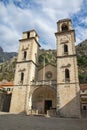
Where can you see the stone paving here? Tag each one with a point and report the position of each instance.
(23, 122)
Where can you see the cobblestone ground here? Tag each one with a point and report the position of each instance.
(23, 122)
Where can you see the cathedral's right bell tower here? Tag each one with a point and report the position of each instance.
(68, 99)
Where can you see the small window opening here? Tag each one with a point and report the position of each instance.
(25, 54)
(22, 77)
(84, 107)
(67, 75)
(65, 49)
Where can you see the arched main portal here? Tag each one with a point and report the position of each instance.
(43, 99)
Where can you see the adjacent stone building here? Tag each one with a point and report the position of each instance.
(52, 90)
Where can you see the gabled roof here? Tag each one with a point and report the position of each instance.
(47, 65)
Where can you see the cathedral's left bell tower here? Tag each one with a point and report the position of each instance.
(26, 70)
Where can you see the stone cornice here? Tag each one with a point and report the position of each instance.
(67, 83)
(30, 39)
(66, 56)
(25, 61)
(64, 32)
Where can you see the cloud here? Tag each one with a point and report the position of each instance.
(84, 21)
(81, 34)
(80, 23)
(18, 16)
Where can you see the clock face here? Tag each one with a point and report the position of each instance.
(49, 75)
(64, 38)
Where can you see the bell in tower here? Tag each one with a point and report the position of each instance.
(64, 25)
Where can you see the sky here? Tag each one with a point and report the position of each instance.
(17, 16)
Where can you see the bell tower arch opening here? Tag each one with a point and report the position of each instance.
(64, 27)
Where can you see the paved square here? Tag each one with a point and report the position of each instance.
(23, 122)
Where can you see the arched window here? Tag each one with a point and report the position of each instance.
(67, 75)
(25, 54)
(64, 27)
(65, 49)
(84, 107)
(22, 77)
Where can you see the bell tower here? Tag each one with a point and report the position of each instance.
(26, 70)
(68, 98)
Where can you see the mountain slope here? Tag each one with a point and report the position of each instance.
(7, 68)
(81, 50)
(4, 56)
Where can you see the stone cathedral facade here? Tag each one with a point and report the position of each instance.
(52, 90)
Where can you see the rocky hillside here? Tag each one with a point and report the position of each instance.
(7, 68)
(46, 56)
(5, 56)
(82, 48)
(82, 61)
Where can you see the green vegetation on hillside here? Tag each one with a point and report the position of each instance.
(46, 56)
(7, 68)
(82, 63)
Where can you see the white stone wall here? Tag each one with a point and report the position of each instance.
(28, 46)
(69, 104)
(68, 92)
(18, 99)
(47, 68)
(32, 34)
(68, 40)
(62, 65)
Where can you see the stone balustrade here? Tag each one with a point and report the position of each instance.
(52, 83)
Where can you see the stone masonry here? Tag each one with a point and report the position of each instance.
(52, 90)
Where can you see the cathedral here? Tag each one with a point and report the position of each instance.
(51, 90)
